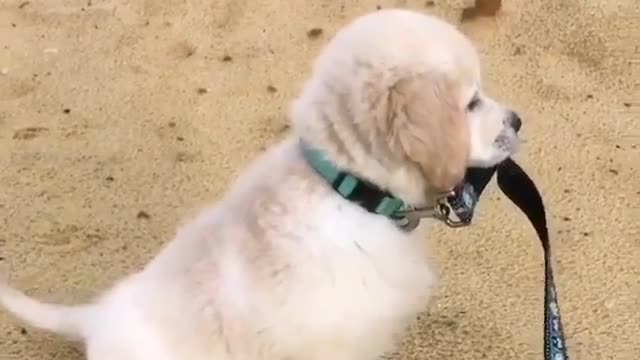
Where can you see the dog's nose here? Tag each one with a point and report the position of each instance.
(515, 121)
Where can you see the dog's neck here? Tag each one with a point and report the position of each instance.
(406, 184)
(362, 190)
(371, 197)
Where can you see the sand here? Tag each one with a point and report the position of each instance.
(120, 118)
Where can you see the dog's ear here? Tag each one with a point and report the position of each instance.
(427, 126)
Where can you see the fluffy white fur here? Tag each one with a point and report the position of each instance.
(283, 267)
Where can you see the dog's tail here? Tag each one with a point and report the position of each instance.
(68, 321)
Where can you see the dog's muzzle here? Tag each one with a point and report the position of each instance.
(456, 208)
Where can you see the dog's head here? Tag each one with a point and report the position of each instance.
(396, 97)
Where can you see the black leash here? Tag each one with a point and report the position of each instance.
(522, 191)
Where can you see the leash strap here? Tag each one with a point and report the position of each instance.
(522, 191)
(511, 180)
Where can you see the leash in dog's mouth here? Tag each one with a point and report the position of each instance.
(522, 191)
(456, 209)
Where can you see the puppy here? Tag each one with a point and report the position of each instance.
(294, 263)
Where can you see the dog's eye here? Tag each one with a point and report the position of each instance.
(473, 103)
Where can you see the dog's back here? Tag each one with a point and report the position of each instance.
(282, 266)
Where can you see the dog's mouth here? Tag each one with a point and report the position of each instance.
(507, 142)
(456, 208)
(464, 197)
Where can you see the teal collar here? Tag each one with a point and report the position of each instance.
(365, 194)
(459, 201)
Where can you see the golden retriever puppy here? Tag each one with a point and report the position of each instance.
(304, 257)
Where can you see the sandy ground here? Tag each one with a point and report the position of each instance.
(118, 118)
